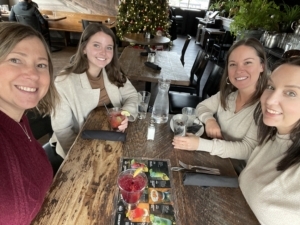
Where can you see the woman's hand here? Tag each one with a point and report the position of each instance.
(213, 129)
(189, 142)
(123, 125)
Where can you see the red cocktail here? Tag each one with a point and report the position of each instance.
(115, 118)
(131, 188)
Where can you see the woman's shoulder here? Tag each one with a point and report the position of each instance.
(72, 77)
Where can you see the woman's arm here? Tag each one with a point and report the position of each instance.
(129, 99)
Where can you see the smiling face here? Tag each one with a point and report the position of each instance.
(244, 68)
(24, 77)
(99, 51)
(280, 102)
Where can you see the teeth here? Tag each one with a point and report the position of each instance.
(28, 89)
(102, 59)
(241, 78)
(273, 112)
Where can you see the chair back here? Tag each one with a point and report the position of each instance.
(227, 38)
(186, 44)
(31, 21)
(212, 85)
(85, 23)
(198, 68)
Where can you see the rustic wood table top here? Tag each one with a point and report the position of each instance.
(132, 64)
(84, 189)
(141, 40)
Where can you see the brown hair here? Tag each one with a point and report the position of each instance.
(266, 133)
(11, 33)
(80, 64)
(226, 89)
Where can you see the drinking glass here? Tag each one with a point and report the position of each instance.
(115, 118)
(190, 112)
(131, 188)
(54, 13)
(179, 124)
(144, 98)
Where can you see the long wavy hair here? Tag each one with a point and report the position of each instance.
(226, 89)
(11, 33)
(266, 133)
(80, 64)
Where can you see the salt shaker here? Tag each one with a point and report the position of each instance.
(151, 132)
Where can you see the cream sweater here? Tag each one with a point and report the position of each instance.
(274, 196)
(78, 99)
(238, 129)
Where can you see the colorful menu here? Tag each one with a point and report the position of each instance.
(156, 203)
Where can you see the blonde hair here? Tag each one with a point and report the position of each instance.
(11, 33)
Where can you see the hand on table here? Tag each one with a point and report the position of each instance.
(189, 142)
(124, 124)
(213, 129)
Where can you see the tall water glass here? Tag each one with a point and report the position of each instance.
(190, 112)
(144, 98)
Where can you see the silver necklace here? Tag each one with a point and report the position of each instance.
(25, 132)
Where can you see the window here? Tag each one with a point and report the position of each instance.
(190, 4)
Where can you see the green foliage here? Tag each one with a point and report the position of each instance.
(289, 13)
(255, 14)
(140, 16)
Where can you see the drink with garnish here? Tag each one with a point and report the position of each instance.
(115, 117)
(132, 183)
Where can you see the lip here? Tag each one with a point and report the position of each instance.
(241, 78)
(26, 89)
(271, 112)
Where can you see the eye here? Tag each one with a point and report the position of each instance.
(231, 64)
(291, 93)
(14, 60)
(248, 62)
(270, 87)
(110, 48)
(96, 45)
(42, 65)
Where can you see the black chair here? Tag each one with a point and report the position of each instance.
(186, 44)
(178, 101)
(223, 46)
(33, 22)
(41, 126)
(195, 75)
(85, 23)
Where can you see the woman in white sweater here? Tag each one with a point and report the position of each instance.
(228, 115)
(92, 79)
(270, 181)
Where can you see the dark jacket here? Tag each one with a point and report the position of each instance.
(25, 9)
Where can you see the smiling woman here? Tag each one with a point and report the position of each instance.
(26, 81)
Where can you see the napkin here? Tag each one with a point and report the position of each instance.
(152, 65)
(205, 180)
(103, 135)
(194, 128)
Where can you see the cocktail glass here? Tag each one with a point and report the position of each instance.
(115, 118)
(131, 188)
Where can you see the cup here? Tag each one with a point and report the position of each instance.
(115, 118)
(131, 188)
(144, 98)
(179, 124)
(190, 112)
(5, 9)
(54, 13)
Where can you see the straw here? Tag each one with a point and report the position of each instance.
(106, 108)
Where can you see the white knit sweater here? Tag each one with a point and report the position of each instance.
(274, 196)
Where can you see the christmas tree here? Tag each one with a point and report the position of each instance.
(140, 16)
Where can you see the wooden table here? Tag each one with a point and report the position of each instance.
(132, 64)
(54, 18)
(141, 40)
(84, 189)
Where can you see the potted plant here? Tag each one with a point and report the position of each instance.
(289, 14)
(253, 17)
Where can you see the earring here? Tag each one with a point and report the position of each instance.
(227, 81)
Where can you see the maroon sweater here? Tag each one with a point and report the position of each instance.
(25, 173)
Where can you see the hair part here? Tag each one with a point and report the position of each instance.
(11, 33)
(266, 133)
(80, 64)
(226, 89)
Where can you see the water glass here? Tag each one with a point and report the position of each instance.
(54, 13)
(190, 112)
(179, 124)
(144, 98)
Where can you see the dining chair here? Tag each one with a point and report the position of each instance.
(186, 44)
(195, 75)
(177, 101)
(222, 46)
(33, 22)
(41, 127)
(85, 23)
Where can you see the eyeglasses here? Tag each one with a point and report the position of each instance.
(291, 54)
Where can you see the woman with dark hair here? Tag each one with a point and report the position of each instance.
(92, 79)
(228, 114)
(26, 82)
(270, 181)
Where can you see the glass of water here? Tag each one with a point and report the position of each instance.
(179, 124)
(144, 98)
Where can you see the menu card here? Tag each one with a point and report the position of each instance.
(156, 206)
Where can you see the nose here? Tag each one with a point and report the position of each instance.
(31, 72)
(272, 98)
